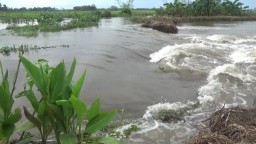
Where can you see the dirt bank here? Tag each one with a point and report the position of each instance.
(228, 126)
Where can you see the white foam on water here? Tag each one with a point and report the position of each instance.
(196, 58)
(244, 56)
(155, 109)
(3, 26)
(229, 62)
(199, 28)
(154, 131)
(222, 38)
(231, 39)
(230, 69)
(221, 89)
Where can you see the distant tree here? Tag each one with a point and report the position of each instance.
(22, 9)
(233, 7)
(126, 7)
(4, 8)
(113, 8)
(85, 8)
(0, 6)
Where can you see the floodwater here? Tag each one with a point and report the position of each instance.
(145, 71)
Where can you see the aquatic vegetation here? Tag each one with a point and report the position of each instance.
(7, 50)
(27, 31)
(8, 116)
(48, 21)
(131, 129)
(59, 110)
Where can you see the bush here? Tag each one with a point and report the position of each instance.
(106, 14)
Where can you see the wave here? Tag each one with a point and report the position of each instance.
(194, 58)
(231, 39)
(228, 62)
(199, 28)
(244, 56)
(227, 84)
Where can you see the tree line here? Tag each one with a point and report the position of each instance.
(203, 8)
(3, 7)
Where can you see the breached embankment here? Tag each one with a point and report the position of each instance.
(228, 126)
(167, 24)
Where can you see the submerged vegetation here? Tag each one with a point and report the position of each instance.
(7, 50)
(48, 21)
(58, 110)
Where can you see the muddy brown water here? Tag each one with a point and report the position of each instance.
(205, 61)
(116, 57)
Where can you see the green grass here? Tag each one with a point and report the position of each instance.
(48, 21)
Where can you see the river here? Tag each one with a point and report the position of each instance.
(145, 71)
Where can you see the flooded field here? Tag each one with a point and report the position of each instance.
(146, 71)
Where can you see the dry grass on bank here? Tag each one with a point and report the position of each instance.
(228, 126)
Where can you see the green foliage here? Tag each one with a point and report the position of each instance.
(48, 21)
(60, 109)
(202, 8)
(106, 14)
(130, 130)
(27, 30)
(126, 7)
(8, 118)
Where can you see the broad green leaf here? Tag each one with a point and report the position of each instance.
(100, 121)
(14, 117)
(66, 106)
(1, 68)
(58, 115)
(6, 101)
(1, 114)
(34, 73)
(43, 65)
(42, 110)
(7, 130)
(109, 140)
(68, 139)
(79, 107)
(56, 111)
(57, 79)
(24, 126)
(78, 86)
(32, 119)
(94, 109)
(32, 99)
(71, 72)
(42, 60)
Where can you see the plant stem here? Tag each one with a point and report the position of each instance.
(15, 78)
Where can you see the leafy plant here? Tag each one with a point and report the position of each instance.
(60, 109)
(8, 118)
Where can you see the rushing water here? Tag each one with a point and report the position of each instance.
(146, 71)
